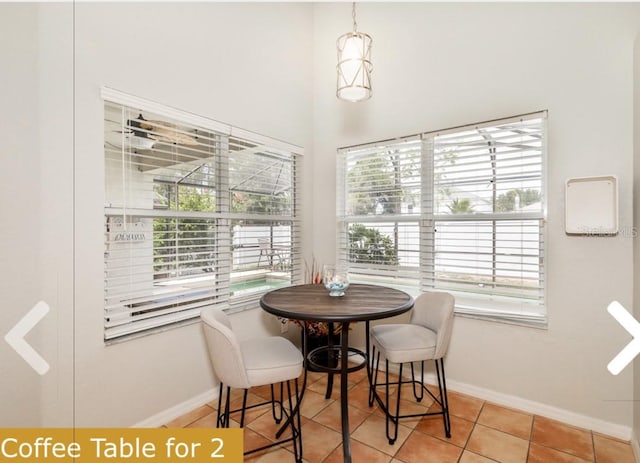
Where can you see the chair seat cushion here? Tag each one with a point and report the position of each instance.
(404, 342)
(270, 360)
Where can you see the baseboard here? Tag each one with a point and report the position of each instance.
(174, 412)
(635, 446)
(538, 408)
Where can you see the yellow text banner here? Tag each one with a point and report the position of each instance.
(104, 445)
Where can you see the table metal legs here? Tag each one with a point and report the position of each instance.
(330, 358)
(344, 402)
(344, 370)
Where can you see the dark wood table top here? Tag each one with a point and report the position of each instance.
(360, 302)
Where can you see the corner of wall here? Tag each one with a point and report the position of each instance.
(635, 437)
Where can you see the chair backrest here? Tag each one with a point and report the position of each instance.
(224, 349)
(434, 310)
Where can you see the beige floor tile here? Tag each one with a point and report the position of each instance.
(540, 454)
(313, 376)
(359, 397)
(406, 394)
(318, 441)
(189, 417)
(612, 450)
(278, 455)
(499, 435)
(462, 405)
(263, 391)
(267, 427)
(313, 403)
(460, 429)
(253, 440)
(252, 413)
(331, 417)
(421, 448)
(617, 439)
(497, 445)
(470, 457)
(393, 378)
(359, 453)
(560, 436)
(359, 375)
(372, 433)
(320, 386)
(506, 420)
(407, 407)
(207, 421)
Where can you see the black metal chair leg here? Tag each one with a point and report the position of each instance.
(374, 379)
(218, 414)
(418, 391)
(443, 397)
(227, 409)
(298, 419)
(244, 407)
(386, 394)
(368, 351)
(294, 429)
(396, 420)
(277, 418)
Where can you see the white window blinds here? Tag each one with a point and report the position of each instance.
(470, 201)
(194, 216)
(379, 211)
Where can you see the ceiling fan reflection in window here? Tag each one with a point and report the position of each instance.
(145, 133)
(152, 141)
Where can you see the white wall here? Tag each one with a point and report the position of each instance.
(36, 203)
(55, 124)
(19, 206)
(244, 64)
(442, 65)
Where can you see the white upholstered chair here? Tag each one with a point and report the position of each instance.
(425, 337)
(255, 362)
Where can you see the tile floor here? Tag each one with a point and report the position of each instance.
(482, 432)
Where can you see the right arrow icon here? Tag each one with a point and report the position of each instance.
(626, 355)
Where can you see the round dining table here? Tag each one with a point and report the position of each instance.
(360, 302)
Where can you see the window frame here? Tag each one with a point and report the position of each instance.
(231, 141)
(515, 310)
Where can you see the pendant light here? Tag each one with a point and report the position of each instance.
(354, 64)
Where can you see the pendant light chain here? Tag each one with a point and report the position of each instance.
(353, 15)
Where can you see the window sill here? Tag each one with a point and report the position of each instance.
(538, 324)
(510, 312)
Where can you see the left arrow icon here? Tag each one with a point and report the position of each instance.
(15, 337)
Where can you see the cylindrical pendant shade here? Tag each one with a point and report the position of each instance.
(354, 66)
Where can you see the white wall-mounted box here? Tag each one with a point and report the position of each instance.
(591, 205)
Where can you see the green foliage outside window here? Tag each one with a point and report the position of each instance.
(368, 246)
(461, 206)
(183, 245)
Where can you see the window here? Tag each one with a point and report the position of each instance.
(197, 214)
(460, 210)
